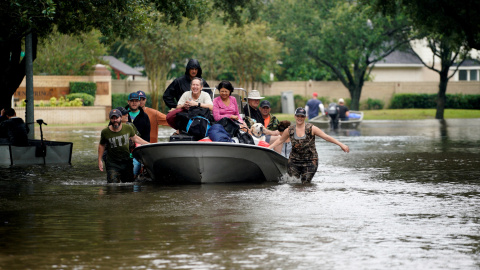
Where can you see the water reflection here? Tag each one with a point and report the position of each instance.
(406, 197)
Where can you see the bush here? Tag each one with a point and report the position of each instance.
(86, 99)
(375, 104)
(83, 87)
(428, 101)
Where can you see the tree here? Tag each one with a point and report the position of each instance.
(114, 18)
(342, 35)
(458, 20)
(251, 52)
(449, 53)
(61, 54)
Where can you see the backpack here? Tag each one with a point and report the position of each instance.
(332, 108)
(198, 127)
(229, 125)
(217, 133)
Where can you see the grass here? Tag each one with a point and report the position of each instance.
(404, 114)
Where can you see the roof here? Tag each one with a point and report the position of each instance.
(400, 59)
(470, 63)
(121, 67)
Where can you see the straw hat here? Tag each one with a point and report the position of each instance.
(254, 94)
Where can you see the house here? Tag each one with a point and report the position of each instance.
(121, 68)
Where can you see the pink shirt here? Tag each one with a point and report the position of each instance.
(220, 110)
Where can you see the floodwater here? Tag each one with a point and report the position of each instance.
(407, 196)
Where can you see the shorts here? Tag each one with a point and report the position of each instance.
(302, 170)
(120, 173)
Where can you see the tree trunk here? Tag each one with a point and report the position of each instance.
(441, 96)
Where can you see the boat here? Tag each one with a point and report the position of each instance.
(323, 121)
(37, 152)
(197, 162)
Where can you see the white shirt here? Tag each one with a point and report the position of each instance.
(203, 98)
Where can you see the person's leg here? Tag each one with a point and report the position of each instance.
(309, 171)
(136, 167)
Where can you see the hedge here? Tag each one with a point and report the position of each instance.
(83, 87)
(428, 101)
(87, 99)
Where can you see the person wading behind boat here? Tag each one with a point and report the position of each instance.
(116, 136)
(182, 84)
(137, 116)
(303, 160)
(156, 118)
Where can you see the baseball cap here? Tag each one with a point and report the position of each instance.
(133, 96)
(116, 113)
(141, 94)
(315, 94)
(300, 111)
(265, 103)
(122, 110)
(341, 100)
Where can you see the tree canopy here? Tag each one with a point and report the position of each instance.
(459, 20)
(341, 35)
(113, 18)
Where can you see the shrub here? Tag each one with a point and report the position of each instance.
(85, 99)
(375, 104)
(428, 101)
(83, 87)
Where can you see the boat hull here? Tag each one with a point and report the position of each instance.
(210, 162)
(55, 153)
(323, 121)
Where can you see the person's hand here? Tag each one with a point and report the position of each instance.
(345, 148)
(2, 113)
(100, 165)
(234, 117)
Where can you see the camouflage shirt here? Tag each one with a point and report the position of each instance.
(273, 125)
(303, 149)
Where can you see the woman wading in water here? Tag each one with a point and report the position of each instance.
(303, 160)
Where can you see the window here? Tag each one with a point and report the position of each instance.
(473, 75)
(462, 75)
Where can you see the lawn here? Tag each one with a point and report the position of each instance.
(405, 114)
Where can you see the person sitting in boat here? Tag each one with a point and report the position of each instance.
(251, 110)
(182, 84)
(195, 97)
(314, 106)
(225, 105)
(270, 122)
(303, 160)
(343, 112)
(13, 130)
(119, 165)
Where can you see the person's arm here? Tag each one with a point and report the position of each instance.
(101, 150)
(182, 102)
(282, 139)
(306, 109)
(322, 108)
(207, 102)
(347, 112)
(139, 140)
(216, 110)
(161, 118)
(318, 132)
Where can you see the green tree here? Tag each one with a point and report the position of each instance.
(114, 18)
(61, 54)
(449, 53)
(459, 20)
(252, 53)
(341, 35)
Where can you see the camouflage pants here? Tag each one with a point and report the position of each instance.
(302, 170)
(120, 173)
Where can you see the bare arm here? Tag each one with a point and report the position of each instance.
(139, 140)
(318, 132)
(282, 139)
(101, 150)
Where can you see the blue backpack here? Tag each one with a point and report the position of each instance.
(198, 127)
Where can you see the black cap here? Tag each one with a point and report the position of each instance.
(122, 110)
(265, 103)
(141, 94)
(116, 113)
(300, 111)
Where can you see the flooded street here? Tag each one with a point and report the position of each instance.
(407, 196)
